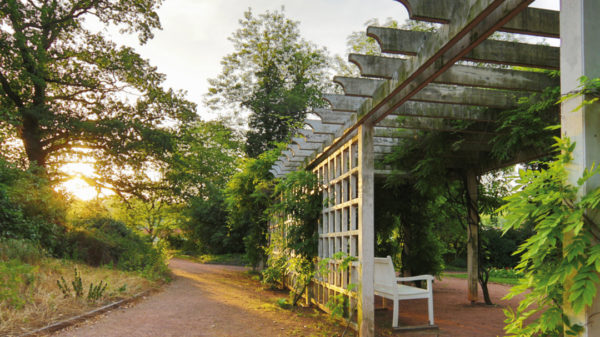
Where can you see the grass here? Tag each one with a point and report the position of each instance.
(493, 279)
(227, 259)
(44, 303)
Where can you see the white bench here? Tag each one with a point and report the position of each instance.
(387, 286)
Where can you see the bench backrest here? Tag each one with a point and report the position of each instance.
(384, 271)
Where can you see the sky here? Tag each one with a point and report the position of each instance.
(193, 40)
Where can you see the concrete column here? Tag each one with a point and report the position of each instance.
(366, 239)
(472, 235)
(580, 56)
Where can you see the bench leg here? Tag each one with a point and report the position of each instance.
(395, 317)
(430, 309)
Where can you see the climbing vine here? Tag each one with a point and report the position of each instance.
(293, 239)
(561, 251)
(560, 262)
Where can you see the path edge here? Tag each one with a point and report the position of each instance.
(83, 317)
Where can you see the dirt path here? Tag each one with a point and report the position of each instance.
(204, 300)
(216, 300)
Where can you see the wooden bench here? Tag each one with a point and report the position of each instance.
(387, 286)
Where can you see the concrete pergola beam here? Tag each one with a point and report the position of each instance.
(446, 94)
(394, 132)
(292, 157)
(322, 128)
(384, 67)
(429, 124)
(407, 42)
(329, 116)
(531, 21)
(440, 93)
(304, 145)
(446, 111)
(297, 151)
(343, 102)
(312, 137)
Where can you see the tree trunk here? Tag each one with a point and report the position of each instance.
(31, 135)
(484, 276)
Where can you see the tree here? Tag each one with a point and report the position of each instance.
(248, 196)
(274, 75)
(67, 92)
(206, 157)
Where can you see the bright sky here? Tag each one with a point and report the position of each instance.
(194, 36)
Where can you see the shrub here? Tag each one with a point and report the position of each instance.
(21, 250)
(30, 208)
(15, 275)
(99, 241)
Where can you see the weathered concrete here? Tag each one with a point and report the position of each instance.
(437, 54)
(447, 111)
(580, 46)
(366, 226)
(312, 137)
(329, 116)
(304, 145)
(407, 42)
(533, 21)
(386, 67)
(343, 102)
(322, 128)
(394, 132)
(446, 94)
(432, 124)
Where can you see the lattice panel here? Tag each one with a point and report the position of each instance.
(339, 224)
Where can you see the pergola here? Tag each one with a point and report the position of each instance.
(430, 86)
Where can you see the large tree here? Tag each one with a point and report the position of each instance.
(274, 77)
(68, 92)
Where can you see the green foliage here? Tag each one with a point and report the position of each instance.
(499, 246)
(406, 229)
(206, 227)
(339, 304)
(247, 197)
(30, 209)
(525, 127)
(273, 74)
(283, 303)
(99, 241)
(299, 201)
(95, 292)
(15, 275)
(293, 238)
(63, 87)
(589, 88)
(560, 261)
(22, 250)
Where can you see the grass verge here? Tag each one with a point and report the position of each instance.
(227, 259)
(32, 298)
(500, 280)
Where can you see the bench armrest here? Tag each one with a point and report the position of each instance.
(415, 278)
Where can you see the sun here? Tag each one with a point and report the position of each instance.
(77, 186)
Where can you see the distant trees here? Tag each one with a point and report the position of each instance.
(273, 74)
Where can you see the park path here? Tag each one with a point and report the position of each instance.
(217, 300)
(202, 300)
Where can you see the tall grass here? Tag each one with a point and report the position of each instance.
(30, 297)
